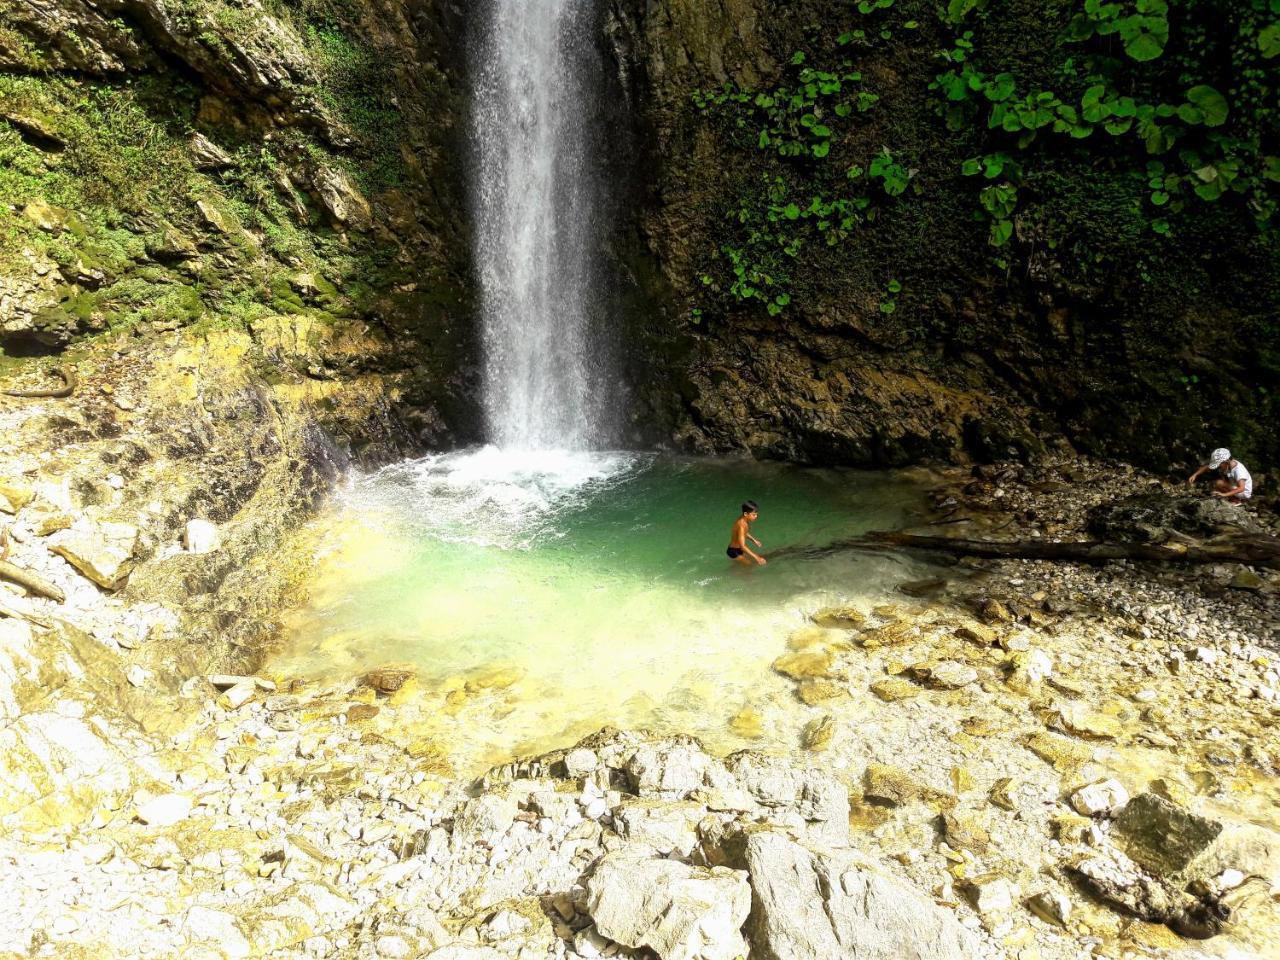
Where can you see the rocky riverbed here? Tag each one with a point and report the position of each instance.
(1022, 759)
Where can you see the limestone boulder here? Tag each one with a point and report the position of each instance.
(678, 911)
(809, 905)
(673, 770)
(102, 551)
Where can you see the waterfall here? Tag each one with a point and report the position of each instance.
(536, 203)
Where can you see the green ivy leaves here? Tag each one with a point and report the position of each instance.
(892, 175)
(1143, 26)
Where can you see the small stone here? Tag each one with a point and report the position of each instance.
(1245, 579)
(991, 893)
(394, 948)
(200, 536)
(891, 689)
(1004, 793)
(237, 696)
(805, 665)
(388, 679)
(1077, 718)
(361, 712)
(136, 675)
(1206, 655)
(929, 587)
(983, 636)
(965, 831)
(946, 674)
(1051, 907)
(1105, 797)
(992, 611)
(814, 692)
(747, 723)
(580, 762)
(817, 733)
(840, 618)
(883, 782)
(1029, 668)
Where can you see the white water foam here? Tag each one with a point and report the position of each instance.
(491, 497)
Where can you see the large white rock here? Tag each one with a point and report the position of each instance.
(677, 911)
(102, 551)
(1106, 797)
(830, 906)
(200, 536)
(164, 810)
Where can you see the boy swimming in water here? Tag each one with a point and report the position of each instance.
(738, 550)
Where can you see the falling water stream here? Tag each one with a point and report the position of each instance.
(536, 200)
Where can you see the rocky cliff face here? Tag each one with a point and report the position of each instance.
(171, 164)
(853, 267)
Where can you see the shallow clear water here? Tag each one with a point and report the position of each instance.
(599, 580)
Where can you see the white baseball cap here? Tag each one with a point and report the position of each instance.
(1219, 457)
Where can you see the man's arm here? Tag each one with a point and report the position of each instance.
(1239, 488)
(1195, 476)
(754, 540)
(753, 555)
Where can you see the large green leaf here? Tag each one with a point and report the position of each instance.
(1210, 103)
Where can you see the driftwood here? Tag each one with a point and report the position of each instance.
(69, 383)
(1252, 549)
(32, 582)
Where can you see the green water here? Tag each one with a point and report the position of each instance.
(599, 580)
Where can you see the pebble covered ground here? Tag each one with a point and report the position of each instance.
(996, 743)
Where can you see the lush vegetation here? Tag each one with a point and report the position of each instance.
(147, 237)
(1175, 104)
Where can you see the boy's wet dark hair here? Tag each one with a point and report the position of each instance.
(750, 506)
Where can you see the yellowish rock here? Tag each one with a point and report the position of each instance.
(496, 677)
(1063, 753)
(965, 830)
(1003, 793)
(818, 733)
(813, 692)
(977, 633)
(14, 496)
(805, 665)
(748, 723)
(1085, 722)
(883, 782)
(842, 618)
(891, 689)
(891, 634)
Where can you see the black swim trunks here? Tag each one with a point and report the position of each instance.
(734, 552)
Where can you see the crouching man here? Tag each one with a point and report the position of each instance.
(1231, 480)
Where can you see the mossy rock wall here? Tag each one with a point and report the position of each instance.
(172, 163)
